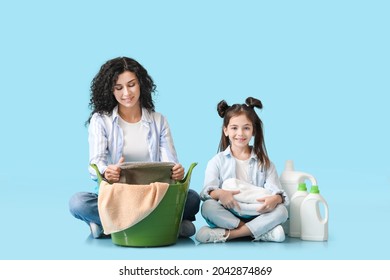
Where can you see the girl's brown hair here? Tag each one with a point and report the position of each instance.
(227, 112)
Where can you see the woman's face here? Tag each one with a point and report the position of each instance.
(127, 90)
(239, 131)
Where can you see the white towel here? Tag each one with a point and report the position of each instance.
(247, 198)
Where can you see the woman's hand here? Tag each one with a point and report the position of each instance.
(269, 203)
(113, 172)
(177, 172)
(226, 198)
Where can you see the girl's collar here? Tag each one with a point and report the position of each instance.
(228, 152)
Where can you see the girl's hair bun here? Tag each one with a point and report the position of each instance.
(222, 107)
(253, 102)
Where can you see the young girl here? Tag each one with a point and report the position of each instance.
(123, 126)
(237, 159)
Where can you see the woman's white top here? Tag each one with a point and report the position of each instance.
(135, 144)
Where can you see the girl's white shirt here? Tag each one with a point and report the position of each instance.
(242, 169)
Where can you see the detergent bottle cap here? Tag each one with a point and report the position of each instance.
(314, 189)
(302, 187)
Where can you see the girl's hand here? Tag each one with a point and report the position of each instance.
(177, 172)
(269, 203)
(113, 171)
(226, 198)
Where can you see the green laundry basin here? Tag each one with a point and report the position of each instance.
(161, 226)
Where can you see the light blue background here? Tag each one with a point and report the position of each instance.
(321, 69)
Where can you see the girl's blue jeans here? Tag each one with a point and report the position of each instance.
(218, 216)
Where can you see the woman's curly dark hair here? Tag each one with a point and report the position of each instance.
(227, 112)
(102, 99)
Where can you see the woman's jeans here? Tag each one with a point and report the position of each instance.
(84, 206)
(218, 216)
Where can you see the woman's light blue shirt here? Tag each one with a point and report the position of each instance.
(223, 166)
(105, 139)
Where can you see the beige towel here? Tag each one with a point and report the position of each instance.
(123, 205)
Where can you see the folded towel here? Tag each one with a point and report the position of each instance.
(123, 205)
(247, 198)
(143, 173)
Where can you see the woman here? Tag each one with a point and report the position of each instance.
(123, 126)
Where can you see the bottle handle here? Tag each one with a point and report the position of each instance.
(326, 213)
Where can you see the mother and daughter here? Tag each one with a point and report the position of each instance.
(124, 127)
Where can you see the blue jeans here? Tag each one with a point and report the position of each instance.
(84, 206)
(218, 216)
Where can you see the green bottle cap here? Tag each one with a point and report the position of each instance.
(302, 187)
(314, 189)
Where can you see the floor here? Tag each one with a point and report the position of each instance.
(42, 228)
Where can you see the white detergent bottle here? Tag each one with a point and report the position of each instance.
(314, 227)
(290, 179)
(295, 210)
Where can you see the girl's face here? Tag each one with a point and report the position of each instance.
(127, 90)
(239, 131)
